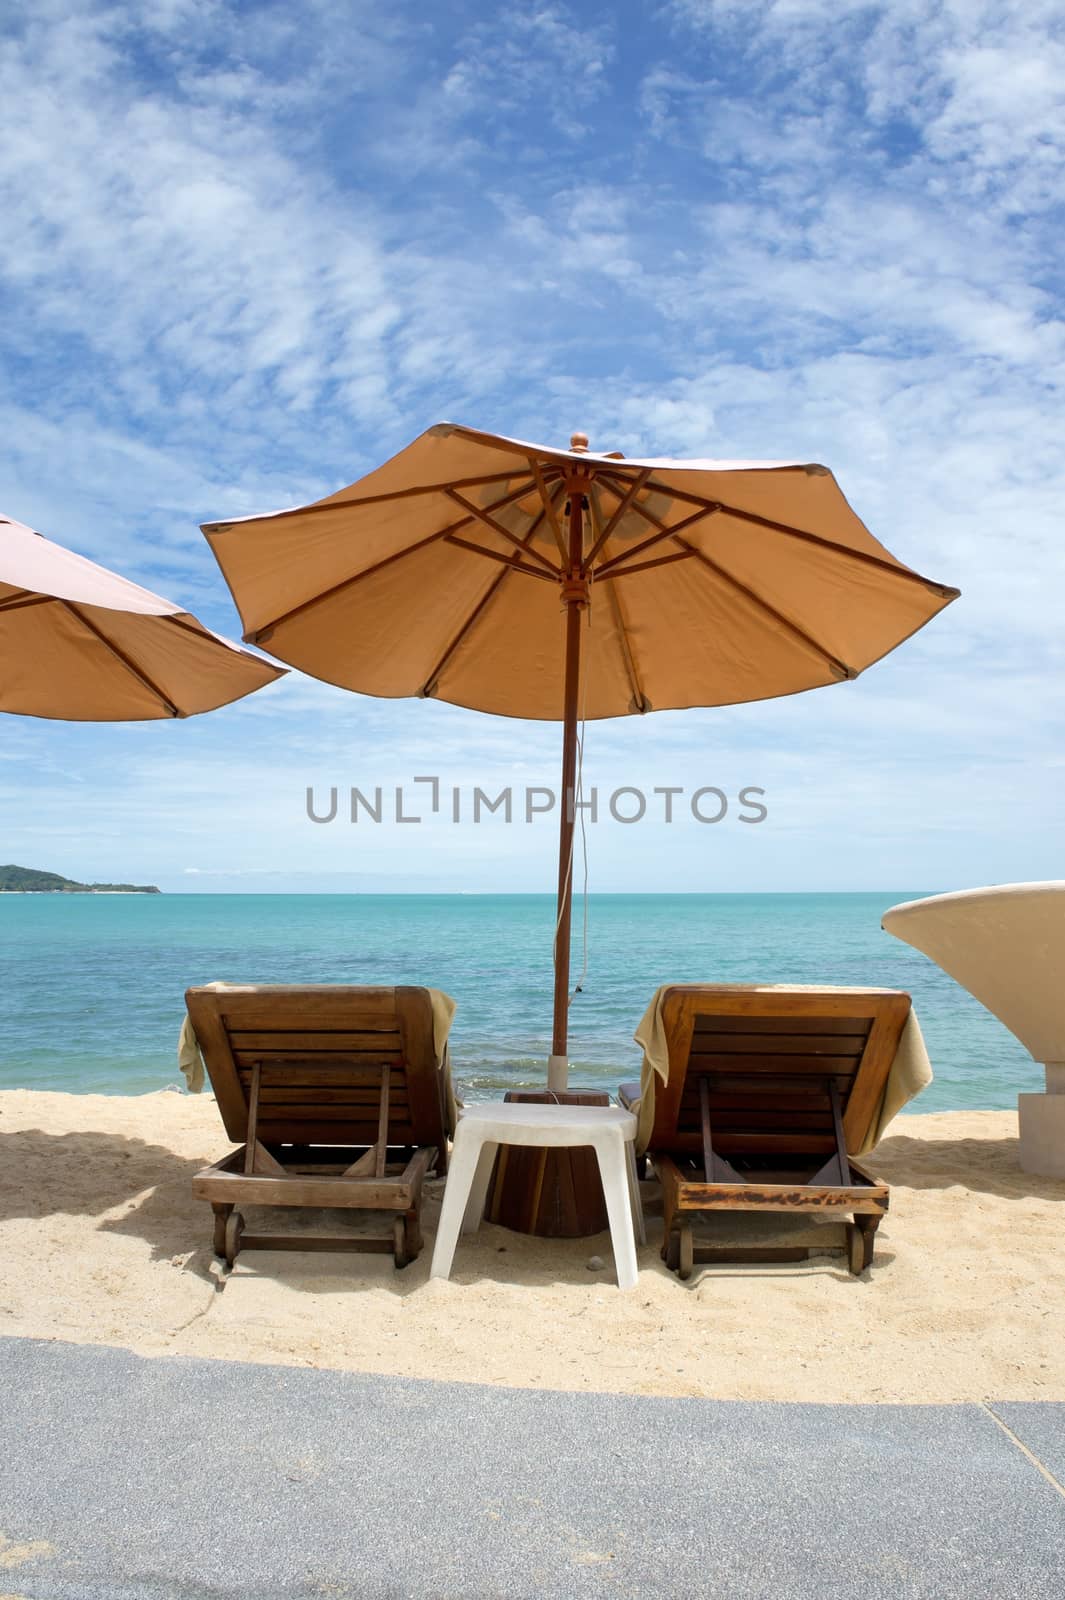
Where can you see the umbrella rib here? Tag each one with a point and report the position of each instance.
(618, 512)
(196, 629)
(322, 506)
(656, 538)
(549, 507)
(639, 699)
(618, 482)
(477, 612)
(262, 633)
(499, 555)
(327, 594)
(687, 549)
(504, 533)
(557, 460)
(18, 602)
(120, 655)
(944, 591)
(561, 460)
(656, 561)
(839, 667)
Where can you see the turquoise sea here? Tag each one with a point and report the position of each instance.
(91, 986)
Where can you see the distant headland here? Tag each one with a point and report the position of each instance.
(27, 880)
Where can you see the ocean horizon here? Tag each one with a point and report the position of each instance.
(93, 997)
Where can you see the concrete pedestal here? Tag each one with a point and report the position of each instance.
(1042, 1126)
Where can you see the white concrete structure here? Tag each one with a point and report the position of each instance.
(1006, 945)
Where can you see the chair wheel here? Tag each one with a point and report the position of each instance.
(234, 1229)
(671, 1252)
(399, 1242)
(685, 1252)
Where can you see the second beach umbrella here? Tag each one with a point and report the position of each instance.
(81, 644)
(541, 583)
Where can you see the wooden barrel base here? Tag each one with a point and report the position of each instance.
(553, 1194)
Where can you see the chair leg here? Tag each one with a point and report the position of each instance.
(461, 1176)
(221, 1217)
(413, 1226)
(613, 1172)
(474, 1213)
(634, 1193)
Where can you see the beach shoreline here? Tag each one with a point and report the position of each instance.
(103, 1243)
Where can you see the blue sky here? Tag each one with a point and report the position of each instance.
(250, 251)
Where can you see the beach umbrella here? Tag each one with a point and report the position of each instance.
(534, 582)
(81, 644)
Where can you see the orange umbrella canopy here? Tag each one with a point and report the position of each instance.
(531, 582)
(702, 582)
(81, 644)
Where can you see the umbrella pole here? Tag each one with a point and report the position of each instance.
(575, 598)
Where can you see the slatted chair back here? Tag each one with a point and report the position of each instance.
(770, 1071)
(321, 1052)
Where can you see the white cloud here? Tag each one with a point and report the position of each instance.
(243, 264)
(541, 56)
(975, 84)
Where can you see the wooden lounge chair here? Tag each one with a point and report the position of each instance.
(767, 1092)
(336, 1096)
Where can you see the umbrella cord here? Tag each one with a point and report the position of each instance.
(579, 987)
(584, 855)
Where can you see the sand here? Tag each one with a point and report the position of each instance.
(102, 1242)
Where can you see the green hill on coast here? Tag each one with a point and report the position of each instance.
(28, 880)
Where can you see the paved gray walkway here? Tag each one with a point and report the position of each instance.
(128, 1479)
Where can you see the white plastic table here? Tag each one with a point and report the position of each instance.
(484, 1126)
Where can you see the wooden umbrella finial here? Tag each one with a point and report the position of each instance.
(578, 441)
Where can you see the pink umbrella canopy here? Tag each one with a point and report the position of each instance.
(80, 644)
